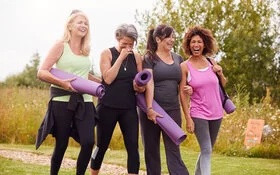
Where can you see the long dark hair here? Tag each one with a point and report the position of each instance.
(162, 31)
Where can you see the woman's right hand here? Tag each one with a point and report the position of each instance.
(190, 125)
(125, 52)
(67, 85)
(152, 115)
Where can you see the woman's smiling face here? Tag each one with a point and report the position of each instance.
(167, 43)
(80, 26)
(196, 45)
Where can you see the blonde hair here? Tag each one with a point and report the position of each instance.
(85, 43)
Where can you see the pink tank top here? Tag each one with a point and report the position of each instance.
(205, 102)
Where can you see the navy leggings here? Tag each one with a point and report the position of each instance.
(128, 121)
(63, 122)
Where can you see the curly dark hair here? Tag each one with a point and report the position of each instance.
(207, 37)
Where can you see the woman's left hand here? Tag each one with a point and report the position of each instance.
(137, 88)
(188, 90)
(218, 69)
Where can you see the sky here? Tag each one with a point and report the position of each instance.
(30, 26)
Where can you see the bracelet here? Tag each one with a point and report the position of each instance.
(149, 108)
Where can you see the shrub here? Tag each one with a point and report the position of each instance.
(22, 111)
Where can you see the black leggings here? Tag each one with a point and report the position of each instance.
(128, 121)
(63, 120)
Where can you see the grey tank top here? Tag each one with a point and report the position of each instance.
(166, 80)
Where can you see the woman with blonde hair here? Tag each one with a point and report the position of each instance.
(69, 113)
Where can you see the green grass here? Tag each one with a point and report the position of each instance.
(22, 110)
(221, 165)
(9, 166)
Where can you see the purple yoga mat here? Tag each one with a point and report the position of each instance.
(80, 84)
(167, 124)
(142, 78)
(228, 105)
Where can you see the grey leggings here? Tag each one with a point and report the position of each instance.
(206, 132)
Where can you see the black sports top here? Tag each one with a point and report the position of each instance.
(120, 93)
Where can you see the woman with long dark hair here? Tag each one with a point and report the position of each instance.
(164, 66)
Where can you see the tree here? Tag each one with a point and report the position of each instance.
(28, 78)
(247, 33)
(249, 48)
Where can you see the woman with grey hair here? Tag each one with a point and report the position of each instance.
(118, 66)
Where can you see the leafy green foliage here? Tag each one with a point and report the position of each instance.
(247, 33)
(28, 78)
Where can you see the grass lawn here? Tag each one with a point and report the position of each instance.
(9, 166)
(221, 165)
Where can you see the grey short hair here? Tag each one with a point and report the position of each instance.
(128, 30)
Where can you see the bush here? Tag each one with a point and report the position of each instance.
(232, 134)
(22, 111)
(231, 137)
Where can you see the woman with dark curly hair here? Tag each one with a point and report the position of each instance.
(204, 116)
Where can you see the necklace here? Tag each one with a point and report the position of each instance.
(124, 67)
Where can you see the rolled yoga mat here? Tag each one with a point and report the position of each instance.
(228, 105)
(167, 124)
(80, 84)
(142, 78)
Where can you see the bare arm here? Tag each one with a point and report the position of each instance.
(139, 62)
(109, 73)
(139, 69)
(149, 94)
(44, 70)
(184, 98)
(217, 68)
(94, 78)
